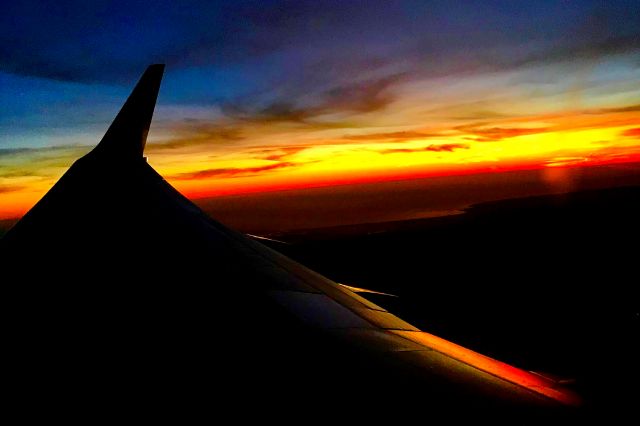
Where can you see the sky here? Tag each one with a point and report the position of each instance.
(262, 96)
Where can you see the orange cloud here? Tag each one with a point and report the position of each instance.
(9, 188)
(393, 136)
(634, 133)
(445, 147)
(230, 171)
(493, 134)
(340, 137)
(282, 153)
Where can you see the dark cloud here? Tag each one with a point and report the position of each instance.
(367, 96)
(8, 172)
(569, 50)
(112, 40)
(280, 154)
(355, 97)
(629, 108)
(198, 132)
(393, 136)
(445, 147)
(5, 152)
(37, 162)
(279, 111)
(20, 162)
(231, 171)
(9, 188)
(494, 134)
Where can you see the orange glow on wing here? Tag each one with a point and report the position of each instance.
(534, 382)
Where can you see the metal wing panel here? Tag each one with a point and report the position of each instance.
(370, 326)
(376, 330)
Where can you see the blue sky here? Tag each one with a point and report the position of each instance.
(86, 54)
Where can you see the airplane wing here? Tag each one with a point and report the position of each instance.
(121, 288)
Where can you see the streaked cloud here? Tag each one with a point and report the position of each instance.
(394, 136)
(634, 133)
(10, 188)
(445, 147)
(279, 154)
(493, 134)
(231, 171)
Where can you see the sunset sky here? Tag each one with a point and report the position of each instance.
(268, 95)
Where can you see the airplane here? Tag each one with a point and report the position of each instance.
(123, 294)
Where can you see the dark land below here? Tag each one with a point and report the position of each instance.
(546, 283)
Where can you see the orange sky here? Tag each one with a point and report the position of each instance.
(571, 139)
(200, 166)
(311, 96)
(394, 130)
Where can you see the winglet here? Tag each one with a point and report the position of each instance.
(127, 135)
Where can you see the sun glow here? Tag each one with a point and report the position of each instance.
(332, 163)
(410, 138)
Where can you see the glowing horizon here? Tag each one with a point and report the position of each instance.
(589, 142)
(607, 137)
(402, 90)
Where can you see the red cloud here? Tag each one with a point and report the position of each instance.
(493, 134)
(633, 133)
(230, 171)
(445, 147)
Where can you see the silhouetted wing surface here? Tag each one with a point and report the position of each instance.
(114, 261)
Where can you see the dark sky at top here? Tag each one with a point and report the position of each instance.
(113, 40)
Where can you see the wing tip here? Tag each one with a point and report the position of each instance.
(156, 68)
(127, 134)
